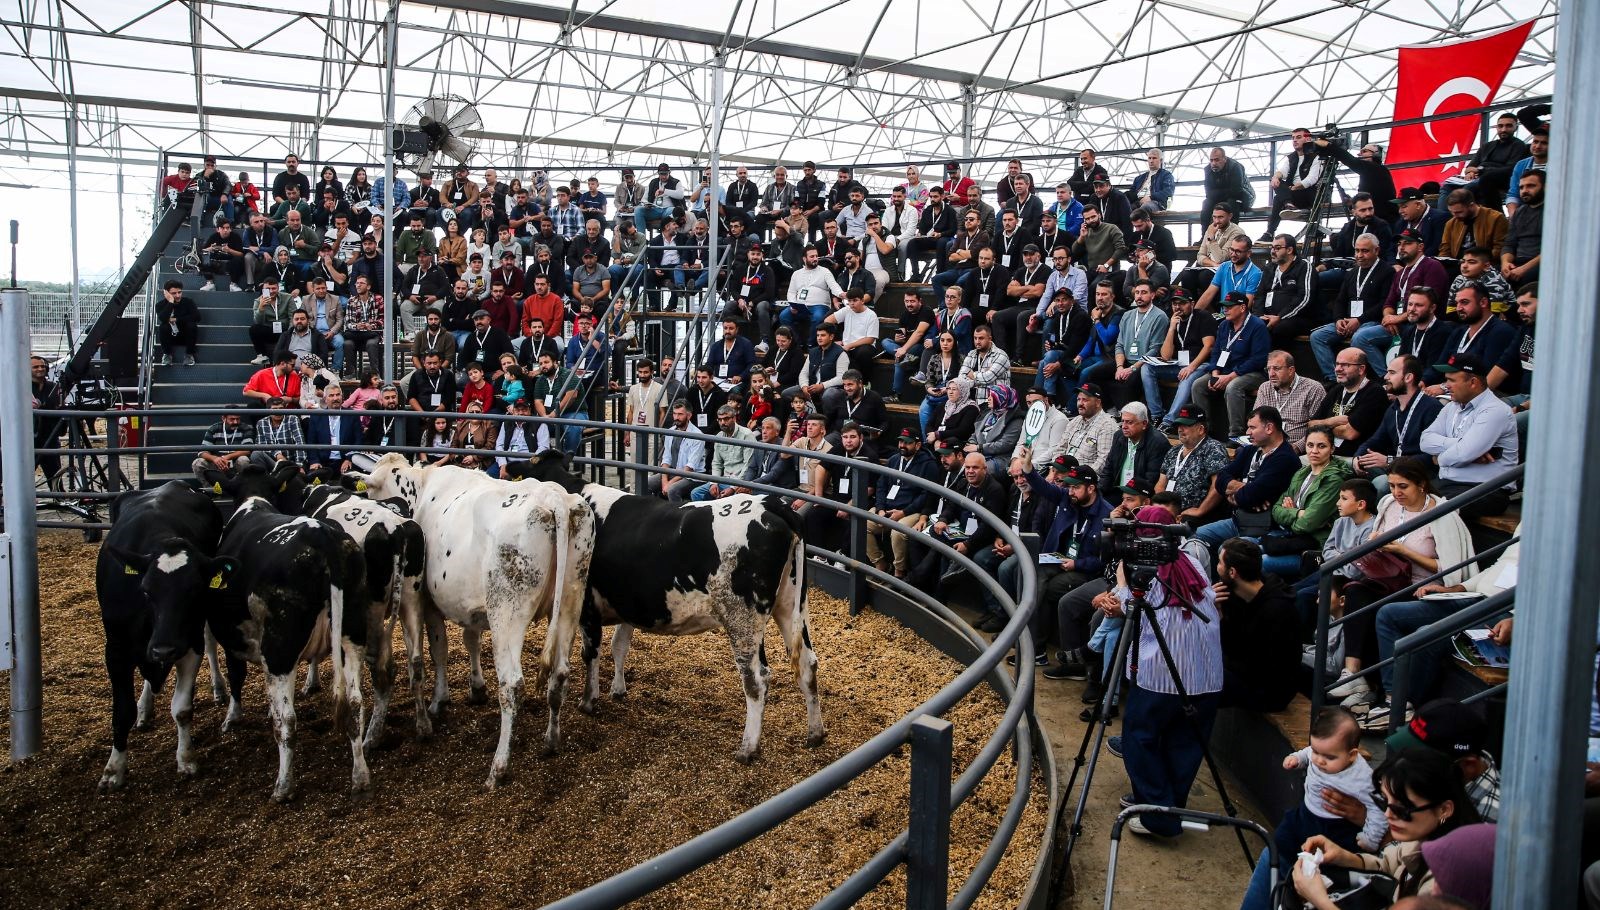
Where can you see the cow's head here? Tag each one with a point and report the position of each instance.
(553, 466)
(179, 583)
(392, 478)
(283, 486)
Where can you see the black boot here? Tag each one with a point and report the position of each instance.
(1095, 665)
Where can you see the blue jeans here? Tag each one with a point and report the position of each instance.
(618, 281)
(1372, 339)
(815, 313)
(1213, 534)
(1396, 621)
(1298, 825)
(1162, 749)
(930, 411)
(1153, 375)
(337, 343)
(572, 436)
(944, 279)
(700, 493)
(461, 337)
(681, 277)
(642, 215)
(1286, 566)
(1052, 384)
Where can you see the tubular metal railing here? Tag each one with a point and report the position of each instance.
(923, 847)
(1319, 675)
(1446, 628)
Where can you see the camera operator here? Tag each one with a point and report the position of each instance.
(1162, 743)
(1372, 175)
(1069, 551)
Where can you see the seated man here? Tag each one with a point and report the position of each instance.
(278, 429)
(822, 373)
(1239, 364)
(1474, 438)
(1293, 396)
(1137, 453)
(1359, 310)
(683, 454)
(269, 319)
(524, 435)
(858, 330)
(338, 434)
(1253, 481)
(726, 460)
(732, 361)
(1399, 433)
(280, 380)
(1355, 414)
(224, 448)
(905, 504)
(1184, 356)
(963, 529)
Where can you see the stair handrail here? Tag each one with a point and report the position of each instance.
(1319, 673)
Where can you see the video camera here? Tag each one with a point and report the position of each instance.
(1121, 540)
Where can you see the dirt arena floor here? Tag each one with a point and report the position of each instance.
(646, 773)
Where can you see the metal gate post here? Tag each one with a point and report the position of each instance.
(858, 541)
(16, 451)
(928, 841)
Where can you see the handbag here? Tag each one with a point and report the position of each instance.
(1253, 524)
(1366, 891)
(1384, 570)
(1287, 543)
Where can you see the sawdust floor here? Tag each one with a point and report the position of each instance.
(647, 773)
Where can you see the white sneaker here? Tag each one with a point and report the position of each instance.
(1361, 702)
(762, 349)
(208, 286)
(1349, 684)
(259, 359)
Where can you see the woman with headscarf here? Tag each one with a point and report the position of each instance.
(999, 428)
(960, 413)
(916, 190)
(1161, 744)
(473, 432)
(314, 378)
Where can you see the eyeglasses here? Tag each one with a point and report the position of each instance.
(1400, 810)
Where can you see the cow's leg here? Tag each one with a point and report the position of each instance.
(219, 689)
(280, 704)
(380, 659)
(508, 638)
(237, 669)
(147, 708)
(350, 653)
(750, 655)
(411, 632)
(592, 630)
(477, 689)
(183, 710)
(120, 672)
(439, 650)
(796, 630)
(620, 640)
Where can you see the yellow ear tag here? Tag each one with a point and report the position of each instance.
(217, 582)
(129, 570)
(283, 486)
(361, 486)
(317, 482)
(216, 488)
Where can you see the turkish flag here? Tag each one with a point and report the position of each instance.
(1440, 78)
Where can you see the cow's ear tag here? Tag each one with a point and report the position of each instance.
(317, 482)
(129, 570)
(217, 582)
(217, 488)
(283, 486)
(361, 486)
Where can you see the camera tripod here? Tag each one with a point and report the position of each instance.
(1140, 610)
(1326, 182)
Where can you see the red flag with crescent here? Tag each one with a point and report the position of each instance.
(1437, 79)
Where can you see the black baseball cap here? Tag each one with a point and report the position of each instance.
(1407, 235)
(506, 254)
(1225, 206)
(908, 435)
(1144, 245)
(627, 172)
(1082, 474)
(1137, 487)
(1463, 363)
(1089, 389)
(1443, 726)
(1189, 415)
(1178, 292)
(663, 167)
(1031, 248)
(1234, 298)
(1410, 194)
(950, 445)
(1037, 389)
(1099, 180)
(1063, 463)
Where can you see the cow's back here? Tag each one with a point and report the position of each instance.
(475, 525)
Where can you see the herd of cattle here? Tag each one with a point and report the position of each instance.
(298, 573)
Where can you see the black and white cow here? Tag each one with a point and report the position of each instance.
(500, 555)
(682, 569)
(393, 547)
(284, 598)
(158, 562)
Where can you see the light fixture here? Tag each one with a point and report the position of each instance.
(631, 121)
(254, 83)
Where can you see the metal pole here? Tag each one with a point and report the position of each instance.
(391, 44)
(968, 107)
(1552, 673)
(122, 243)
(72, 209)
(718, 111)
(16, 450)
(858, 540)
(928, 837)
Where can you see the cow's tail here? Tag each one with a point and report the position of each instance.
(792, 597)
(558, 579)
(346, 584)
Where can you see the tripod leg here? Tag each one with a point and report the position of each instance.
(1097, 732)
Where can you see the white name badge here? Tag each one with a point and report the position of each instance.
(1222, 359)
(805, 475)
(805, 294)
(744, 291)
(1527, 365)
(1005, 261)
(1357, 307)
(1183, 358)
(971, 527)
(416, 289)
(384, 442)
(480, 355)
(549, 400)
(1072, 550)
(894, 491)
(1266, 302)
(277, 328)
(983, 301)
(436, 400)
(1133, 349)
(699, 420)
(722, 371)
(844, 486)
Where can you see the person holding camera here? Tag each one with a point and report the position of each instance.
(1167, 719)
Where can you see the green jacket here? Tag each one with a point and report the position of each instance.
(408, 243)
(280, 213)
(280, 312)
(307, 253)
(1320, 505)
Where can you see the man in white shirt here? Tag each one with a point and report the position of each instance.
(852, 219)
(684, 454)
(813, 293)
(1474, 438)
(1050, 441)
(858, 329)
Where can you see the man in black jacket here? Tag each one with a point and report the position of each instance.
(1136, 453)
(1158, 236)
(1225, 181)
(484, 345)
(750, 289)
(1260, 631)
(1490, 168)
(961, 528)
(938, 221)
(177, 321)
(1372, 175)
(904, 503)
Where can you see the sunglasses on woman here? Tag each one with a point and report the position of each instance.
(1403, 811)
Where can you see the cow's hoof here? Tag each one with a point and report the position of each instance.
(436, 709)
(619, 691)
(746, 756)
(478, 696)
(187, 769)
(587, 706)
(144, 725)
(815, 739)
(496, 778)
(309, 689)
(111, 783)
(360, 785)
(283, 795)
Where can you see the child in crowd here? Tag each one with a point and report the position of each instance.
(1332, 761)
(1358, 500)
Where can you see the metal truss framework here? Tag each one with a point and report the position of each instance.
(586, 88)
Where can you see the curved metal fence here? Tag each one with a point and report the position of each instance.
(923, 846)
